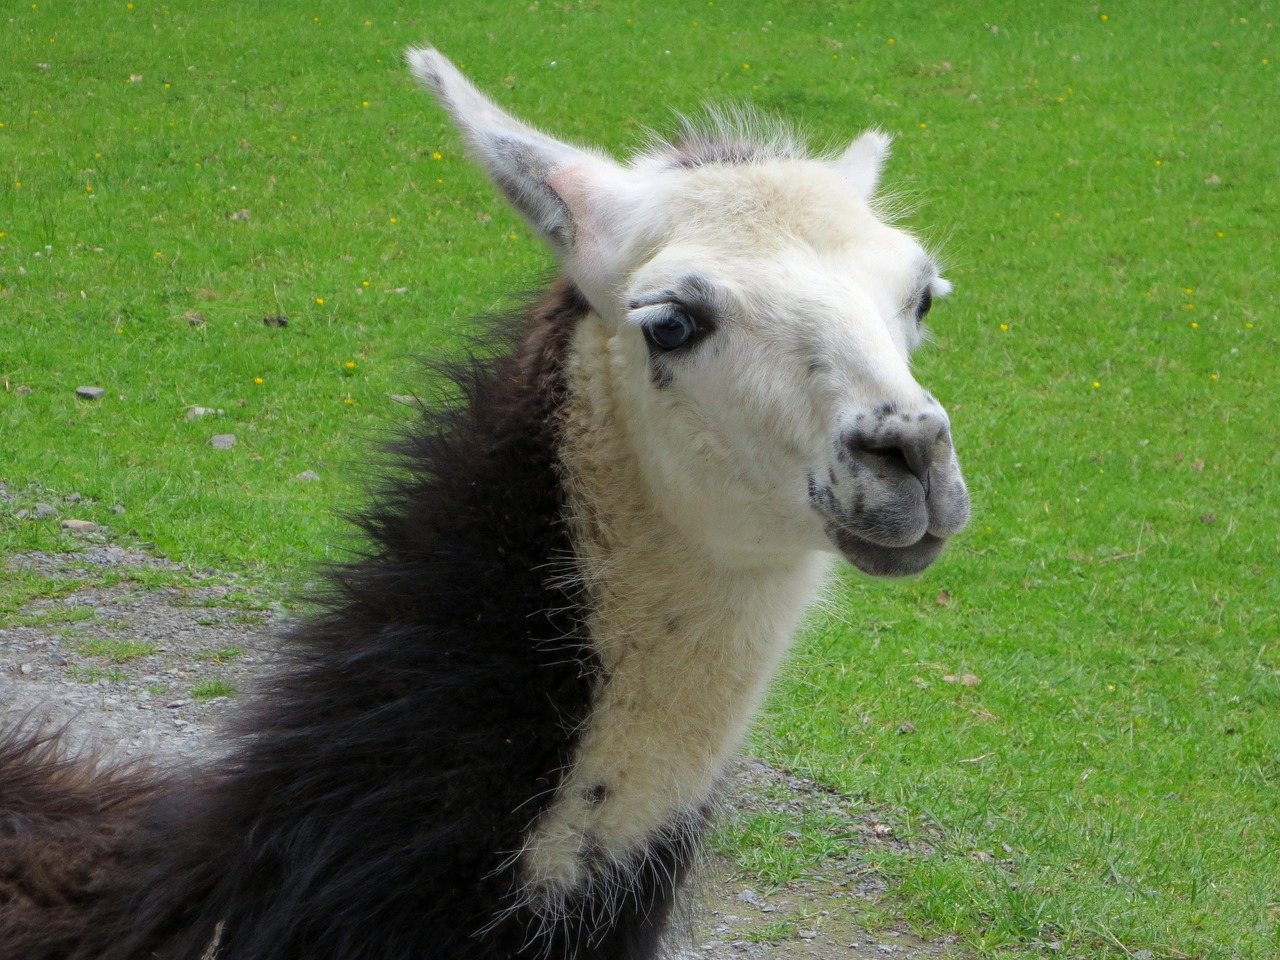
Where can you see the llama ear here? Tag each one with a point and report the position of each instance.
(530, 168)
(862, 162)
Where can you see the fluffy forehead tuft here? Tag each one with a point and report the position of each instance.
(725, 135)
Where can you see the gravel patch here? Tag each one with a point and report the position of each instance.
(133, 666)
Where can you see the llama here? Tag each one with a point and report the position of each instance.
(502, 734)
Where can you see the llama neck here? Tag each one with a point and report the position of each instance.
(687, 643)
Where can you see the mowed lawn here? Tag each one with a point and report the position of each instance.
(1077, 709)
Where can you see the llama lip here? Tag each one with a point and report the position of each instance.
(879, 561)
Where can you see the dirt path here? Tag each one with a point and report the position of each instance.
(146, 655)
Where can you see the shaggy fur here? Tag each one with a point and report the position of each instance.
(379, 794)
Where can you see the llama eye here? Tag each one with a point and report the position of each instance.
(671, 332)
(924, 305)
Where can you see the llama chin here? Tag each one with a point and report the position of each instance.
(503, 732)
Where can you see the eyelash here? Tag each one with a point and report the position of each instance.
(923, 305)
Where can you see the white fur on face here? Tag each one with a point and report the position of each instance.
(813, 300)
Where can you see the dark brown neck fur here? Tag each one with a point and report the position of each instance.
(381, 782)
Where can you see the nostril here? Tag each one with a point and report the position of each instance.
(918, 454)
(910, 449)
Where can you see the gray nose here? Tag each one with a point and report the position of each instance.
(901, 445)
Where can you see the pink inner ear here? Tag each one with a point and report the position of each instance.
(570, 185)
(593, 194)
(861, 163)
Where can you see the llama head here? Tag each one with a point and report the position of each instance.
(761, 317)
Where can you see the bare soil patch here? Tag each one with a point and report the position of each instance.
(142, 655)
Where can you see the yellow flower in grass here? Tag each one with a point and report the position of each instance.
(350, 364)
(258, 380)
(320, 301)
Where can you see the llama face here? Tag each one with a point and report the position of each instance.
(764, 351)
(761, 318)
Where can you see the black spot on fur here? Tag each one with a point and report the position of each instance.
(597, 793)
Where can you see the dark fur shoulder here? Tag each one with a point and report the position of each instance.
(382, 784)
(431, 707)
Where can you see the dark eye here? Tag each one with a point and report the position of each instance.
(924, 305)
(671, 331)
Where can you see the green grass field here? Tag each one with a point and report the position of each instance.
(1078, 707)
